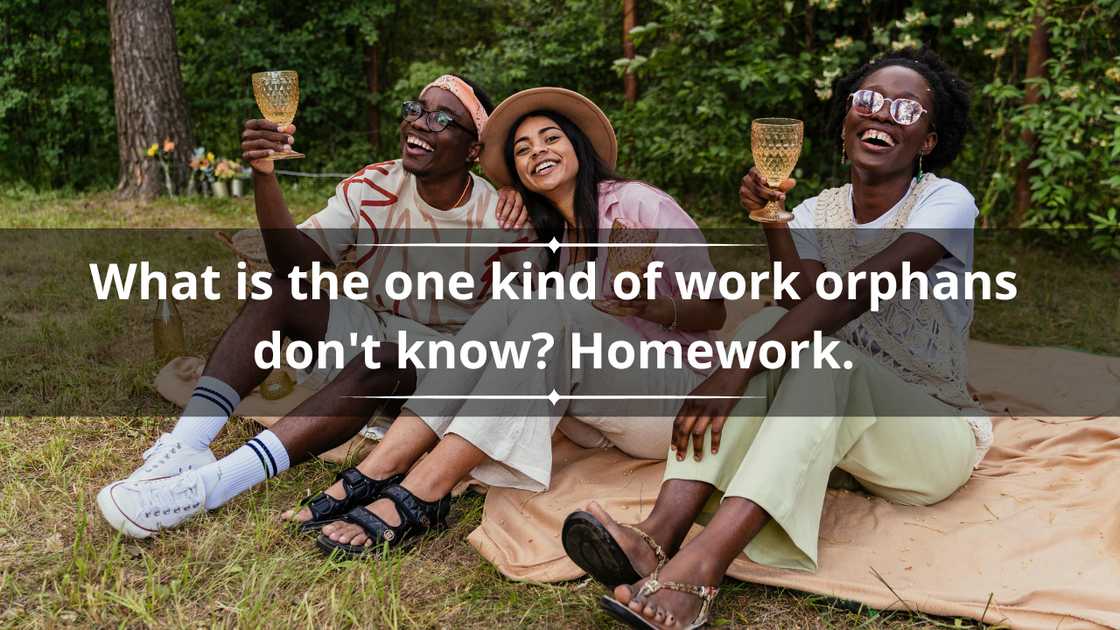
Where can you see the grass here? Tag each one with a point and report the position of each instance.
(61, 565)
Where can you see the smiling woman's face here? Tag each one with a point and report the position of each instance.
(543, 155)
(878, 144)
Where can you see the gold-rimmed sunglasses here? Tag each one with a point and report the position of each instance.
(904, 111)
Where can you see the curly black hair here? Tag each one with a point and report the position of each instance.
(950, 115)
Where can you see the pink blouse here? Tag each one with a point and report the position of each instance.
(645, 206)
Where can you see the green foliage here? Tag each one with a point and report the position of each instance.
(1076, 123)
(222, 42)
(705, 70)
(56, 94)
(571, 44)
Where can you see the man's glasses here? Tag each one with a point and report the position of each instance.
(904, 111)
(437, 120)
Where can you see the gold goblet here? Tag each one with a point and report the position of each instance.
(277, 93)
(776, 145)
(635, 257)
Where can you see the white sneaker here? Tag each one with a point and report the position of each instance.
(170, 457)
(142, 508)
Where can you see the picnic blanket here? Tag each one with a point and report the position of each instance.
(1031, 541)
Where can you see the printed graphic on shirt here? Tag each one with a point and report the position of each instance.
(378, 221)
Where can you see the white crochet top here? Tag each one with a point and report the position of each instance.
(911, 337)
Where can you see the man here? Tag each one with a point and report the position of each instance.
(429, 193)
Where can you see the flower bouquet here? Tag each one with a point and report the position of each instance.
(202, 171)
(225, 170)
(163, 154)
(237, 186)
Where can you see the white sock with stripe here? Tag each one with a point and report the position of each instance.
(261, 458)
(208, 410)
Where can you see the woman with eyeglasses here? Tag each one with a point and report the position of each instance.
(897, 422)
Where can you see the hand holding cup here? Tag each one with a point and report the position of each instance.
(261, 139)
(755, 193)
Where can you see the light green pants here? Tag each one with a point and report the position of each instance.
(779, 450)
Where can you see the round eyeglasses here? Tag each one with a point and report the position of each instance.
(904, 111)
(437, 120)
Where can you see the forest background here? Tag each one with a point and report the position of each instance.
(681, 81)
(86, 89)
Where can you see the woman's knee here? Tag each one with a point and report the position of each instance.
(643, 438)
(760, 323)
(541, 316)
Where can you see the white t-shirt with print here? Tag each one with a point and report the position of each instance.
(380, 205)
(945, 212)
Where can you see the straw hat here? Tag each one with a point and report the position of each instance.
(579, 109)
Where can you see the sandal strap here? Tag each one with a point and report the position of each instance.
(357, 489)
(376, 528)
(423, 515)
(324, 505)
(658, 552)
(417, 516)
(354, 480)
(706, 594)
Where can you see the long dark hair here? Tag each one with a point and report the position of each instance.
(545, 216)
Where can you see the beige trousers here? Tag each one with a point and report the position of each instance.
(781, 449)
(515, 432)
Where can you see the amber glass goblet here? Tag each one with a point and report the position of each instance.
(277, 93)
(776, 145)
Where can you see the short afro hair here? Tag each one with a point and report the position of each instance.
(951, 100)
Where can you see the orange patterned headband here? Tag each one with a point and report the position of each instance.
(465, 94)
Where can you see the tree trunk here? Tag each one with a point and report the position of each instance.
(629, 21)
(1036, 57)
(148, 94)
(373, 83)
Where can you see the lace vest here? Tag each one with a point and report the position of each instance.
(910, 337)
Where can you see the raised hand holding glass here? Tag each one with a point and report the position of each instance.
(776, 145)
(277, 94)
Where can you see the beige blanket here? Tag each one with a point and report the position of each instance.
(1036, 531)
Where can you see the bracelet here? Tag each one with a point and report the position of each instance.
(673, 326)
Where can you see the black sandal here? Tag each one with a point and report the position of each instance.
(588, 543)
(358, 490)
(418, 517)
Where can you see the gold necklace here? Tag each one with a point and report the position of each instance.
(470, 180)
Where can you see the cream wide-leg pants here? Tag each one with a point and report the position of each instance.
(780, 449)
(516, 431)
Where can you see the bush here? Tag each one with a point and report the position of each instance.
(57, 127)
(705, 70)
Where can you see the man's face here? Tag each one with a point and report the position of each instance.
(426, 152)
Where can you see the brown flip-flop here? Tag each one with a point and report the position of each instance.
(588, 543)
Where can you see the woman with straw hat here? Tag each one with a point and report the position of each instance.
(559, 150)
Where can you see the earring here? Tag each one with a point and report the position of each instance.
(843, 149)
(920, 173)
